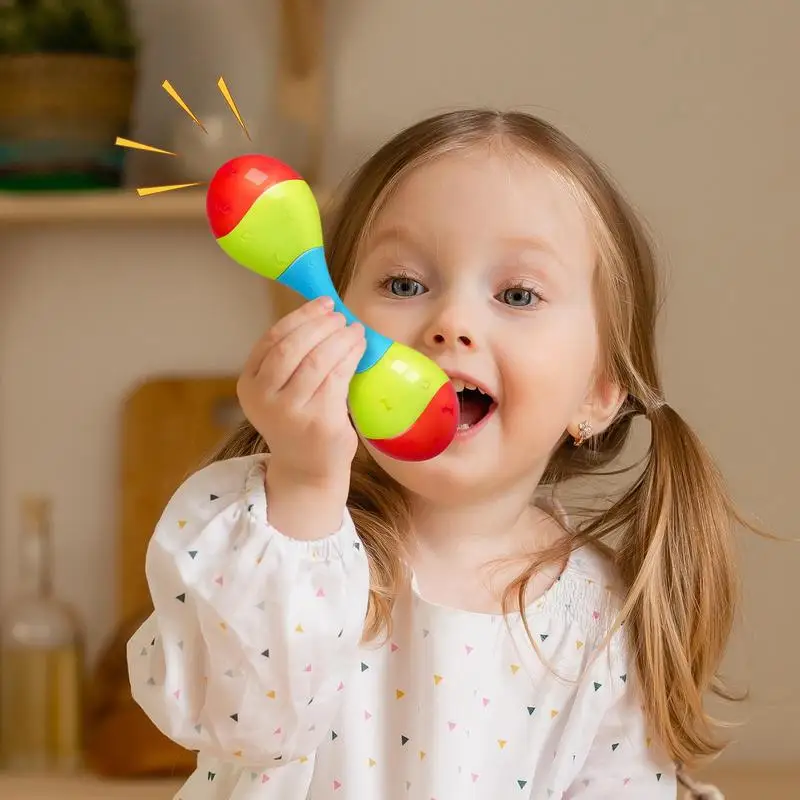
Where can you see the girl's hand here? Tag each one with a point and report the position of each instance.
(293, 389)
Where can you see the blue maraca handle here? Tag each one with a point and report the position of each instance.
(308, 275)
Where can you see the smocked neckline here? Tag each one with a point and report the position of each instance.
(538, 605)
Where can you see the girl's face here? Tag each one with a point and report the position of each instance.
(483, 261)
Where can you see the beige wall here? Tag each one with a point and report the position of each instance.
(693, 106)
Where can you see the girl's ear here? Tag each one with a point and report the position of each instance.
(600, 408)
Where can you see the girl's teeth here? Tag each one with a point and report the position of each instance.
(460, 385)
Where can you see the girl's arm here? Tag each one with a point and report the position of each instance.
(254, 634)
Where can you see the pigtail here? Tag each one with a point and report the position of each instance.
(245, 440)
(674, 550)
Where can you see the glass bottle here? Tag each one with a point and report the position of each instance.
(41, 661)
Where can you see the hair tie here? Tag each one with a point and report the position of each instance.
(657, 406)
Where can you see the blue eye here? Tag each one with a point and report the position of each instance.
(518, 297)
(403, 286)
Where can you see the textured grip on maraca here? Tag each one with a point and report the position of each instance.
(265, 217)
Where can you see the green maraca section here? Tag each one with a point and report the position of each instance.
(280, 226)
(389, 397)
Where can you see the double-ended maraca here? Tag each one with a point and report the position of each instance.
(264, 216)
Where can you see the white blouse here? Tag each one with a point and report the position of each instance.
(252, 658)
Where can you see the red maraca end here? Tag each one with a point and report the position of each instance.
(237, 184)
(430, 435)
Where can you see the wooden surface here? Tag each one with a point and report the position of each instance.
(301, 90)
(301, 72)
(120, 741)
(755, 782)
(35, 787)
(283, 300)
(736, 782)
(168, 426)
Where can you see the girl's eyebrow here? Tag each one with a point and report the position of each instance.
(522, 244)
(517, 246)
(399, 234)
(395, 234)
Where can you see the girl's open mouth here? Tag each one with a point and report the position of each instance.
(475, 406)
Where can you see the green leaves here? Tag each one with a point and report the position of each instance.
(88, 27)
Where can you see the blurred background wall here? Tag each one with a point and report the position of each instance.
(694, 108)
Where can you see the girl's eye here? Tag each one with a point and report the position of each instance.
(519, 297)
(403, 286)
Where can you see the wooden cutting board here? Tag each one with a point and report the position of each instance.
(169, 425)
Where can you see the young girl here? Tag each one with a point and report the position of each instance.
(330, 623)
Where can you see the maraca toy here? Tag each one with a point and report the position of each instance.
(264, 216)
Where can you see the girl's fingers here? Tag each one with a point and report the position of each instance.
(332, 392)
(318, 364)
(307, 313)
(285, 358)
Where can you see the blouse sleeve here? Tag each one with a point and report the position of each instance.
(253, 634)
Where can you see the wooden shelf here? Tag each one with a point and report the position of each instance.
(83, 788)
(122, 206)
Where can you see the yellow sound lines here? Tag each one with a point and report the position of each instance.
(146, 191)
(170, 90)
(120, 142)
(232, 105)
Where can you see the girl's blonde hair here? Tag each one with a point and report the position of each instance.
(671, 530)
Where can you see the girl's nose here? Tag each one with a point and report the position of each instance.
(450, 330)
(444, 338)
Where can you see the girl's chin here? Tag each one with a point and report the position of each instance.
(475, 466)
(458, 475)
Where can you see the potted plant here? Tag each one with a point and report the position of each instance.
(67, 79)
